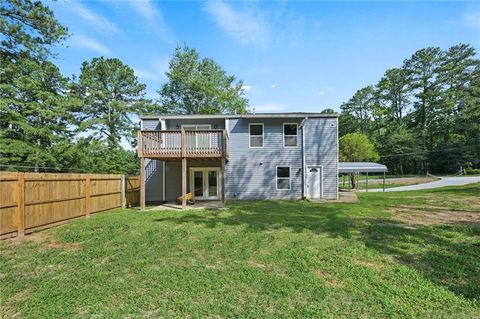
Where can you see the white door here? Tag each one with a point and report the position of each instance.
(204, 183)
(314, 182)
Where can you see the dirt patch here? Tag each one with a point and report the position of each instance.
(255, 263)
(47, 241)
(369, 264)
(348, 197)
(434, 215)
(325, 276)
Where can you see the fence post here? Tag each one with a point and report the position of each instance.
(88, 193)
(123, 200)
(21, 205)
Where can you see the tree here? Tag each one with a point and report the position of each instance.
(28, 30)
(199, 86)
(356, 147)
(111, 94)
(361, 107)
(34, 103)
(393, 93)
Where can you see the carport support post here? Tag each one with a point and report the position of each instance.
(384, 181)
(184, 182)
(366, 183)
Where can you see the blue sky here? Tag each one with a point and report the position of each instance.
(291, 56)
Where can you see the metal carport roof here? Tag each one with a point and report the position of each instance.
(361, 167)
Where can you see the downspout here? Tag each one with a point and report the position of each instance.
(302, 126)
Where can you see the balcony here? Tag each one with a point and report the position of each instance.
(174, 145)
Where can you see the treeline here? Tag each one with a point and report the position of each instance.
(50, 122)
(423, 116)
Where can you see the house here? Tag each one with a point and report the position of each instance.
(239, 157)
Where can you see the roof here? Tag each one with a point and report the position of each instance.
(361, 167)
(235, 116)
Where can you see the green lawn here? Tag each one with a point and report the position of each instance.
(392, 255)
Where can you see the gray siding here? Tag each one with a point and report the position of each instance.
(321, 148)
(173, 176)
(251, 172)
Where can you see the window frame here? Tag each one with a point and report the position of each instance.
(250, 135)
(283, 135)
(289, 178)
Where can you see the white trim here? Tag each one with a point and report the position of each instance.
(283, 135)
(227, 125)
(249, 135)
(338, 162)
(141, 124)
(321, 179)
(203, 170)
(289, 178)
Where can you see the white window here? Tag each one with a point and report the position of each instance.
(283, 177)
(256, 135)
(290, 134)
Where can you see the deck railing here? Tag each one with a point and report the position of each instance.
(178, 144)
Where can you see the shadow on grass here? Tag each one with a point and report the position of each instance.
(446, 254)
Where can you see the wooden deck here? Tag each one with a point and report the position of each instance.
(182, 145)
(175, 145)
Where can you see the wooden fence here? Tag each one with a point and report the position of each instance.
(34, 201)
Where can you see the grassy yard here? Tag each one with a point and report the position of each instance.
(392, 255)
(377, 182)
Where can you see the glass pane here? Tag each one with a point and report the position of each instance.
(256, 129)
(212, 183)
(290, 140)
(198, 183)
(283, 183)
(283, 171)
(256, 141)
(290, 129)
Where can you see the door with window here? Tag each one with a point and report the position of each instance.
(314, 182)
(198, 140)
(204, 183)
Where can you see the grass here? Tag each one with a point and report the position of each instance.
(389, 183)
(388, 256)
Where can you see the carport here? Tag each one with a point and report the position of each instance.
(357, 168)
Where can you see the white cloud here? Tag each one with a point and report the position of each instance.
(146, 74)
(274, 86)
(156, 72)
(269, 107)
(471, 19)
(80, 41)
(153, 15)
(248, 26)
(95, 20)
(321, 93)
(145, 8)
(247, 88)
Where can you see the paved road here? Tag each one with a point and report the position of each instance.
(443, 181)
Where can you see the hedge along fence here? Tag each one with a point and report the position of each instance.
(34, 201)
